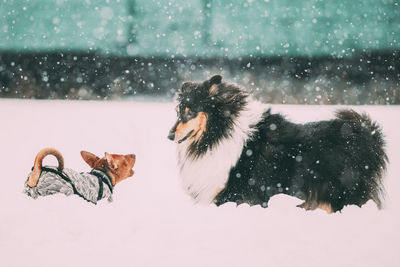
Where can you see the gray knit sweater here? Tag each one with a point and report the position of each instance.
(91, 186)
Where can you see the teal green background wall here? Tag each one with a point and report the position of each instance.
(201, 28)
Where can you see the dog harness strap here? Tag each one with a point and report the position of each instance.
(65, 178)
(100, 188)
(104, 178)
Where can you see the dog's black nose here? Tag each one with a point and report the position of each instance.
(171, 136)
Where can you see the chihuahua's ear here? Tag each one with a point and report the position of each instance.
(89, 158)
(110, 161)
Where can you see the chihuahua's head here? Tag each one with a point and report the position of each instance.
(118, 167)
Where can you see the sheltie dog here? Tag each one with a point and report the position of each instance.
(232, 148)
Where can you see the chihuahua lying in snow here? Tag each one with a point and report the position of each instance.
(93, 186)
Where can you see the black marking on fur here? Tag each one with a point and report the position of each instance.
(339, 161)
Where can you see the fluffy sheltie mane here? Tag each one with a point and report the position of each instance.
(205, 160)
(231, 148)
(221, 104)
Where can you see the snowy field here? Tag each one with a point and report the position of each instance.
(151, 221)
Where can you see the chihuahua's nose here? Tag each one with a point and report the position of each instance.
(171, 136)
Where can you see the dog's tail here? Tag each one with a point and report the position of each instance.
(37, 167)
(375, 144)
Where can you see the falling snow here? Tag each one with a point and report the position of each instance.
(349, 57)
(138, 53)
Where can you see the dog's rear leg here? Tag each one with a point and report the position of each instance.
(303, 205)
(308, 205)
(313, 206)
(326, 207)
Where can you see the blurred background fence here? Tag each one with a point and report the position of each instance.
(314, 52)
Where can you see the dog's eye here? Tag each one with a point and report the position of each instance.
(188, 111)
(187, 115)
(191, 113)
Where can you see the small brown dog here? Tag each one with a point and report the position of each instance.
(93, 186)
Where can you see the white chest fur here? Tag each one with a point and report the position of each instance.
(203, 178)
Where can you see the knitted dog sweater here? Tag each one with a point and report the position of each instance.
(91, 186)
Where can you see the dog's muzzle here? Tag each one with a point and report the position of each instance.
(171, 135)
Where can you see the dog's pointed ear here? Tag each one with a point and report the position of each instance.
(216, 79)
(110, 161)
(213, 83)
(89, 158)
(185, 86)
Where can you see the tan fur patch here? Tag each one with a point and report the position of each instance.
(219, 190)
(197, 134)
(326, 207)
(197, 125)
(214, 89)
(312, 205)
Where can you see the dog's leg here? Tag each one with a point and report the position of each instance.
(303, 205)
(313, 206)
(310, 202)
(326, 207)
(308, 205)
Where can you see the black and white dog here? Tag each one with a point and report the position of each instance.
(231, 148)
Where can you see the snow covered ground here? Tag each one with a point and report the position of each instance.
(151, 221)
